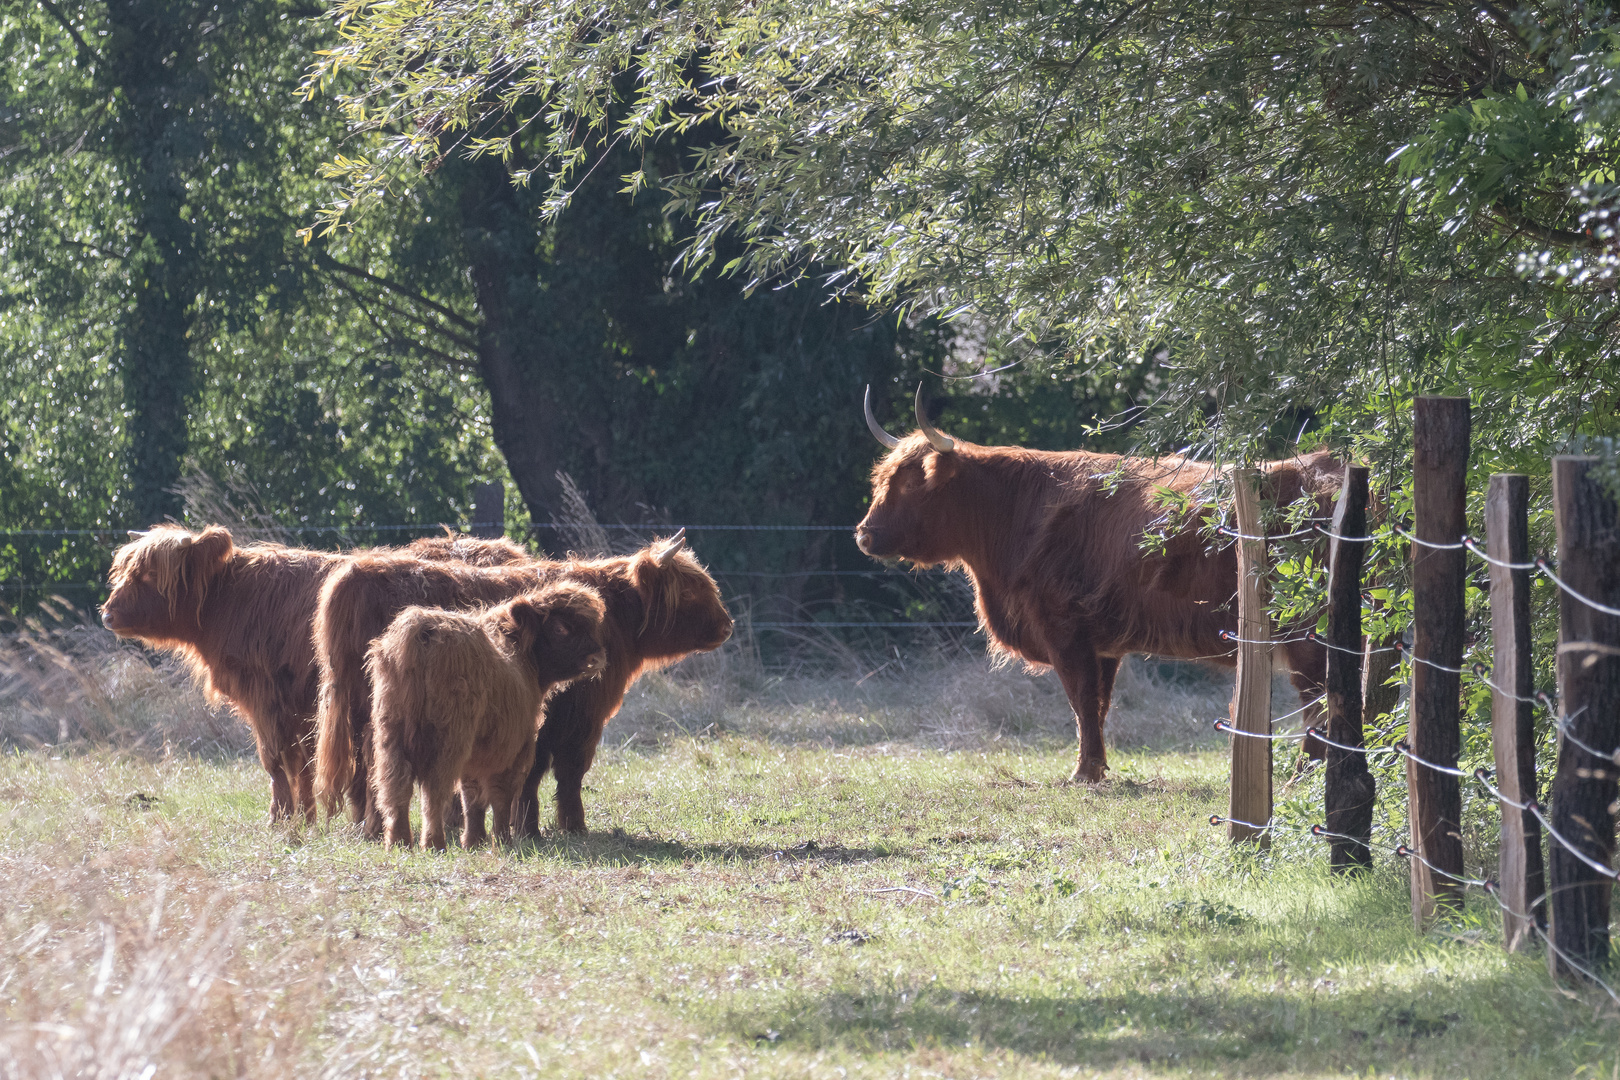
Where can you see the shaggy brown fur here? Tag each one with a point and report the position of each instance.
(457, 698)
(1053, 545)
(241, 617)
(661, 605)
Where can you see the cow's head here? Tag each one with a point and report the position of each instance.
(681, 607)
(910, 515)
(560, 628)
(160, 580)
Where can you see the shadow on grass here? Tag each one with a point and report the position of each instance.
(1432, 1029)
(622, 849)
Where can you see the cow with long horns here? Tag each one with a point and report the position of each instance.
(1054, 545)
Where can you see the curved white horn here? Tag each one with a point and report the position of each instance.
(876, 428)
(937, 439)
(671, 546)
(136, 534)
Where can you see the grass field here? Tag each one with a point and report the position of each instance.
(798, 879)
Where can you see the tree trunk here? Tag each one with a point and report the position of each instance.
(154, 64)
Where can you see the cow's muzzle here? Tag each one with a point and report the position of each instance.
(874, 542)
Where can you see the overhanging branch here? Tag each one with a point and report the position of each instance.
(326, 259)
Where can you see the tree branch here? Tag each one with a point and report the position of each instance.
(1546, 233)
(395, 341)
(365, 303)
(84, 47)
(326, 259)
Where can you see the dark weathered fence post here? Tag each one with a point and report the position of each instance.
(1440, 432)
(1589, 699)
(1349, 783)
(1519, 874)
(489, 509)
(1251, 700)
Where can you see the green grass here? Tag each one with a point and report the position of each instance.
(745, 907)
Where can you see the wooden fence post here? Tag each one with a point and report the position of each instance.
(1440, 431)
(1519, 873)
(1349, 782)
(1251, 701)
(489, 509)
(1589, 699)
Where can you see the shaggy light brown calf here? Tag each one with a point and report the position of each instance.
(240, 617)
(457, 697)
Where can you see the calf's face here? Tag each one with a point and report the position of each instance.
(681, 606)
(561, 631)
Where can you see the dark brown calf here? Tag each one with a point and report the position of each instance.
(458, 696)
(661, 605)
(241, 617)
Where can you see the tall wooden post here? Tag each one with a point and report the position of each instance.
(1349, 782)
(1440, 432)
(1584, 787)
(1251, 701)
(489, 509)
(1519, 873)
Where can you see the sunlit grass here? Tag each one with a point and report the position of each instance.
(749, 906)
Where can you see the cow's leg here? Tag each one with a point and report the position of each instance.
(571, 763)
(394, 804)
(1107, 669)
(281, 800)
(303, 785)
(526, 801)
(437, 791)
(502, 789)
(1081, 671)
(455, 816)
(1307, 672)
(475, 799)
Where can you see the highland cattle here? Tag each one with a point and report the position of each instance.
(661, 605)
(241, 617)
(1057, 546)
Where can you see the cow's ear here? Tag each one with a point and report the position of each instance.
(521, 617)
(939, 468)
(208, 552)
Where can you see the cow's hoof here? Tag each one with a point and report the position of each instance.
(1088, 772)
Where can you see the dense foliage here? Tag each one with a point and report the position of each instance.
(1317, 209)
(160, 317)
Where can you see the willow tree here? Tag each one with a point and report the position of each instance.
(1317, 209)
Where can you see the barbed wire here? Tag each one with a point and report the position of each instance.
(1545, 567)
(1226, 530)
(1313, 636)
(1473, 545)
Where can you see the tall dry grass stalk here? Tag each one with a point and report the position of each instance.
(133, 1009)
(233, 502)
(64, 681)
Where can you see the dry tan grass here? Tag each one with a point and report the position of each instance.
(122, 957)
(66, 682)
(942, 695)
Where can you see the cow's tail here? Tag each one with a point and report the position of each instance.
(334, 737)
(334, 747)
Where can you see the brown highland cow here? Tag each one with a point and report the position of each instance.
(1053, 544)
(241, 618)
(661, 606)
(457, 697)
